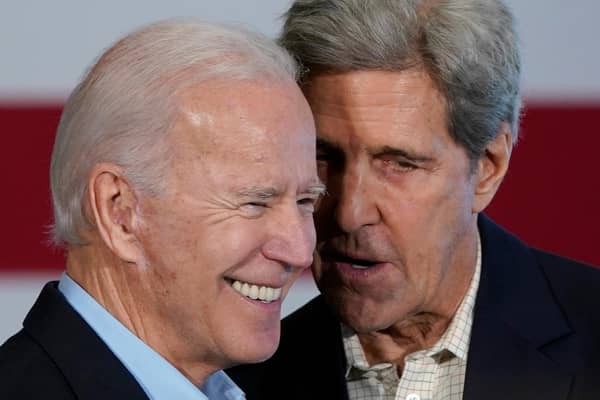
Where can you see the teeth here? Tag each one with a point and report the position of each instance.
(360, 266)
(255, 292)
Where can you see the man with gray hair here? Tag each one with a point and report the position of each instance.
(183, 182)
(416, 104)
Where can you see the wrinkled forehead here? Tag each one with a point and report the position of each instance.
(372, 86)
(379, 108)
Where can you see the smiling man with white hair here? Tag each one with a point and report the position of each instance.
(183, 183)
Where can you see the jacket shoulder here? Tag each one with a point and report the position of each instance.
(28, 372)
(575, 284)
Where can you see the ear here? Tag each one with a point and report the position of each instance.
(492, 167)
(113, 205)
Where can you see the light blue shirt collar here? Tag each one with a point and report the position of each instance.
(157, 377)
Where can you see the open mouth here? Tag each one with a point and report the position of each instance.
(266, 294)
(355, 263)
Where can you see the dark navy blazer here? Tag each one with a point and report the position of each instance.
(57, 355)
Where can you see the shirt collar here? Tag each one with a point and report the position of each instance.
(158, 378)
(458, 334)
(454, 341)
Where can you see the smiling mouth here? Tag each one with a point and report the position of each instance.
(265, 294)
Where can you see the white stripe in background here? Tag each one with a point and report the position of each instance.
(18, 292)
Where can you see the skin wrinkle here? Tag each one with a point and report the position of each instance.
(121, 302)
(420, 221)
(173, 294)
(375, 118)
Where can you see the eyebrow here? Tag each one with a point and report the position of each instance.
(393, 151)
(258, 192)
(266, 193)
(317, 189)
(383, 150)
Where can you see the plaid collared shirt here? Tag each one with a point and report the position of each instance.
(437, 373)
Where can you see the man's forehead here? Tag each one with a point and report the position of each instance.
(378, 137)
(214, 123)
(359, 81)
(234, 108)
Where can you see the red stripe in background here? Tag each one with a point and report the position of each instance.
(25, 202)
(550, 197)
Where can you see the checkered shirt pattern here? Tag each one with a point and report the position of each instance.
(437, 373)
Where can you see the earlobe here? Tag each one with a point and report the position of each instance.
(113, 205)
(492, 167)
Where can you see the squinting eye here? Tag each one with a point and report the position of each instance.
(307, 204)
(254, 205)
(253, 208)
(400, 165)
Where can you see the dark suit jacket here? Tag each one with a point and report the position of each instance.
(535, 335)
(58, 356)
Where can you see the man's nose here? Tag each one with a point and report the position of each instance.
(354, 202)
(293, 239)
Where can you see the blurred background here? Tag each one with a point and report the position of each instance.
(550, 198)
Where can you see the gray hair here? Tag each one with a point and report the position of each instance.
(123, 109)
(468, 47)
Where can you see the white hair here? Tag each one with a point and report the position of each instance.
(123, 109)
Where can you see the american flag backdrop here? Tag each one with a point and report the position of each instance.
(550, 198)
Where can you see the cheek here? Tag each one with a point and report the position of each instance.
(167, 237)
(426, 201)
(310, 231)
(451, 208)
(174, 252)
(233, 242)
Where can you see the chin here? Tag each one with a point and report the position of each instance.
(359, 317)
(363, 325)
(259, 348)
(255, 355)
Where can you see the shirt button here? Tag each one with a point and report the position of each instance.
(413, 396)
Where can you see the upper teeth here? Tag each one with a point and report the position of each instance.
(355, 266)
(255, 292)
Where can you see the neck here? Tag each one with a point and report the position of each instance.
(124, 291)
(392, 345)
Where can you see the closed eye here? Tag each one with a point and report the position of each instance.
(255, 204)
(307, 204)
(253, 209)
(308, 200)
(399, 160)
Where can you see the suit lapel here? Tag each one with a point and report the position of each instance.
(503, 365)
(521, 345)
(86, 362)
